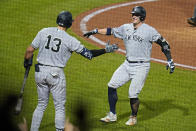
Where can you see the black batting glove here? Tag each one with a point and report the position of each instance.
(28, 62)
(95, 31)
(170, 65)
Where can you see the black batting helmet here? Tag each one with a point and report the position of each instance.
(139, 11)
(64, 19)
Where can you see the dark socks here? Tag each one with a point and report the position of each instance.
(134, 102)
(112, 98)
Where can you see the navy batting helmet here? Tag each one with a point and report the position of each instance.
(64, 19)
(139, 11)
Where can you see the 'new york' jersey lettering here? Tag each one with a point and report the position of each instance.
(134, 37)
(138, 42)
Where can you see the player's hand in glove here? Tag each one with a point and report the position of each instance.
(95, 31)
(111, 48)
(170, 65)
(28, 62)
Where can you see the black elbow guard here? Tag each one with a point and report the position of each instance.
(164, 47)
(164, 44)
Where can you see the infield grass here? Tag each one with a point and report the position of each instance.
(168, 102)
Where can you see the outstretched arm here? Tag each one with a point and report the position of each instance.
(105, 31)
(166, 50)
(89, 54)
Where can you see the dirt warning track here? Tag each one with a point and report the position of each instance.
(169, 17)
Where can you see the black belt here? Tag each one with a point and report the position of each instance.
(44, 65)
(136, 61)
(41, 64)
(47, 65)
(37, 67)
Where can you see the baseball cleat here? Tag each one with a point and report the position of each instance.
(192, 21)
(132, 121)
(109, 118)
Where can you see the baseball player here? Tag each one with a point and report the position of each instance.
(55, 49)
(138, 38)
(192, 20)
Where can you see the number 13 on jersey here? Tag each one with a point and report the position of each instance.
(55, 40)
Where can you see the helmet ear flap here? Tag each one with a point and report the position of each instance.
(68, 24)
(142, 18)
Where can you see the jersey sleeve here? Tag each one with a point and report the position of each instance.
(37, 40)
(118, 32)
(75, 45)
(155, 35)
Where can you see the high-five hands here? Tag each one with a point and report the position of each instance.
(108, 48)
(111, 48)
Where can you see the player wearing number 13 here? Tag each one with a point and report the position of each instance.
(55, 49)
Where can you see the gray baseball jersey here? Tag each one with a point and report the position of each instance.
(138, 43)
(55, 46)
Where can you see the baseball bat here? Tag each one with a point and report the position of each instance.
(18, 107)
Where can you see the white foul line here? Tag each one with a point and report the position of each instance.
(88, 17)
